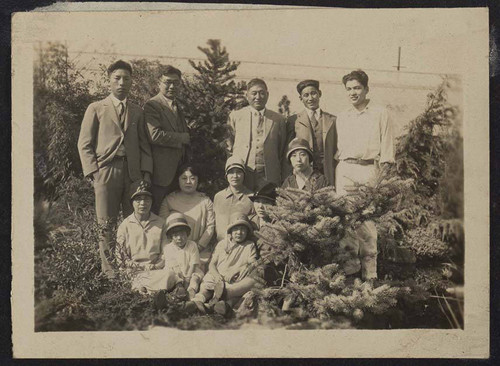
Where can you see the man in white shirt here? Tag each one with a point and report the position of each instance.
(365, 142)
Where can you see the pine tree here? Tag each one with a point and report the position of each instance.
(284, 106)
(207, 99)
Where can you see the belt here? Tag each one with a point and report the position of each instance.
(359, 161)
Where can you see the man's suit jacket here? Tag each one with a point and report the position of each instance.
(274, 141)
(101, 136)
(165, 137)
(299, 123)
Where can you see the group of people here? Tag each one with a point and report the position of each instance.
(174, 237)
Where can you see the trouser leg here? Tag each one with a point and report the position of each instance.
(350, 244)
(255, 178)
(368, 250)
(108, 189)
(159, 193)
(240, 288)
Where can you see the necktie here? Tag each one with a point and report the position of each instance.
(121, 113)
(261, 122)
(314, 121)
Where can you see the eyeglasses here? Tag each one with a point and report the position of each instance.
(171, 82)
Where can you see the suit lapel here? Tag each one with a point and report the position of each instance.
(303, 119)
(327, 124)
(268, 124)
(110, 111)
(168, 112)
(128, 117)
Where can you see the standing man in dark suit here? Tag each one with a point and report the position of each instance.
(316, 127)
(114, 152)
(259, 138)
(168, 133)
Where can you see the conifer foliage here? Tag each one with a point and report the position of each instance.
(404, 201)
(207, 99)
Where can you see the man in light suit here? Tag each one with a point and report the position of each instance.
(114, 152)
(316, 127)
(167, 132)
(259, 137)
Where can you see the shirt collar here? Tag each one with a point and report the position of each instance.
(116, 101)
(261, 112)
(152, 218)
(243, 192)
(356, 111)
(168, 101)
(317, 113)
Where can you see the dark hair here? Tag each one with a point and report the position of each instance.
(188, 167)
(358, 75)
(119, 65)
(193, 168)
(169, 69)
(256, 81)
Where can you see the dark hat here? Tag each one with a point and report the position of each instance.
(239, 218)
(266, 192)
(140, 187)
(235, 162)
(305, 83)
(299, 144)
(177, 219)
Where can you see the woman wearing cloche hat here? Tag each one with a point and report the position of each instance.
(303, 177)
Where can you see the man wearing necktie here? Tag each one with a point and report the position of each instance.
(316, 127)
(168, 134)
(114, 152)
(258, 138)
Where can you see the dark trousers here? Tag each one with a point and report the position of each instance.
(159, 193)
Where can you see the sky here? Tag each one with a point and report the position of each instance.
(284, 45)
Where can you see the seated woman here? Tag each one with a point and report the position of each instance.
(232, 199)
(140, 239)
(230, 262)
(303, 177)
(197, 208)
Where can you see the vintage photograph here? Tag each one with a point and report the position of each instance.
(252, 169)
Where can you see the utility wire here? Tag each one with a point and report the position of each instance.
(256, 62)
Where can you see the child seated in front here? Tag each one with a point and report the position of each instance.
(182, 258)
(304, 176)
(230, 261)
(140, 239)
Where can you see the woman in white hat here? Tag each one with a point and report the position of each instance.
(230, 261)
(235, 198)
(181, 254)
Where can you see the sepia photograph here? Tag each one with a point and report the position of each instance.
(250, 181)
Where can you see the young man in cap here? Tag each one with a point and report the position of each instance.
(167, 132)
(259, 137)
(232, 199)
(303, 176)
(317, 127)
(140, 241)
(114, 152)
(365, 143)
